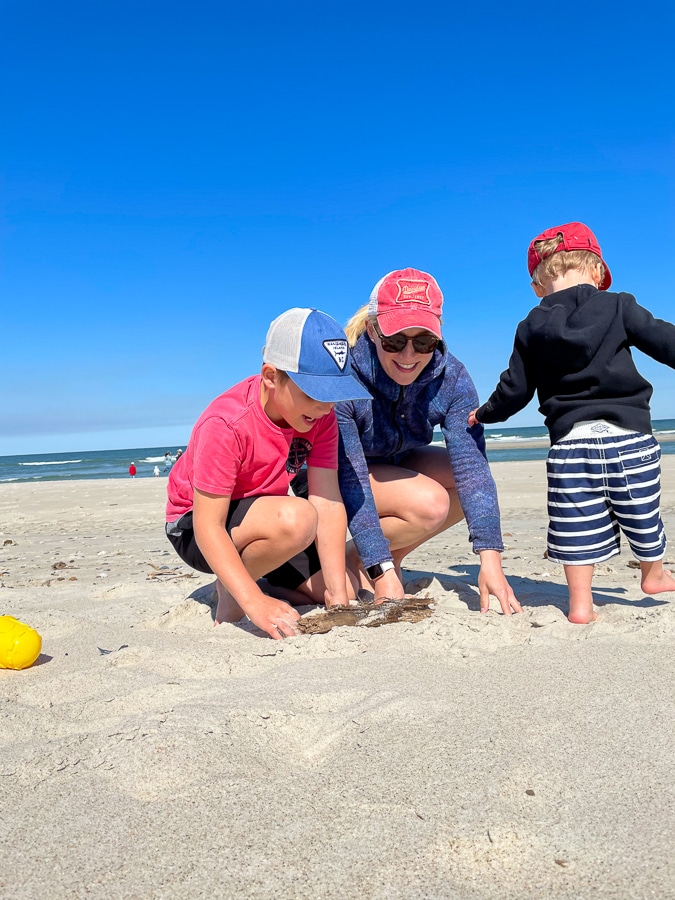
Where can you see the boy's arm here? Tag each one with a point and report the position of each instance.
(331, 533)
(209, 519)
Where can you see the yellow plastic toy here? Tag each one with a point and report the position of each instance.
(20, 644)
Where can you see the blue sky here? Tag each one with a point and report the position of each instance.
(175, 175)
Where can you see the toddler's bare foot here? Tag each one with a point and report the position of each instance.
(657, 582)
(228, 609)
(582, 616)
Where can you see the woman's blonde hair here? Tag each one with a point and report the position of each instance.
(553, 265)
(357, 324)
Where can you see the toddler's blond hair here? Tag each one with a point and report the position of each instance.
(553, 264)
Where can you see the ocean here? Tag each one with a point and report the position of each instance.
(78, 465)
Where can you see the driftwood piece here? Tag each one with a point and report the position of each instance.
(167, 572)
(412, 609)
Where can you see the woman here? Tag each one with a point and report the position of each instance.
(398, 490)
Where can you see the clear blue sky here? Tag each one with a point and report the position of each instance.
(175, 175)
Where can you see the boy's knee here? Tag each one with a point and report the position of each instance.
(297, 521)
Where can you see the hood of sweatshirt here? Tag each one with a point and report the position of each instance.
(570, 327)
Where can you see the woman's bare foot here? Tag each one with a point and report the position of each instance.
(656, 579)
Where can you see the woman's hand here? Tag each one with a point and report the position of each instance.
(388, 587)
(491, 580)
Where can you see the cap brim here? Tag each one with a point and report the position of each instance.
(400, 319)
(329, 388)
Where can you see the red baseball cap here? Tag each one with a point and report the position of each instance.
(573, 236)
(407, 298)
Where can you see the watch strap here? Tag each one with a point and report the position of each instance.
(378, 570)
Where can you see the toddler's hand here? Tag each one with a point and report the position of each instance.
(472, 420)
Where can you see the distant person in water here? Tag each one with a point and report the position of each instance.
(228, 509)
(603, 467)
(179, 453)
(155, 471)
(168, 461)
(132, 470)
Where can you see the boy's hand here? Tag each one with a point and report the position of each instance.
(472, 420)
(337, 599)
(273, 616)
(491, 580)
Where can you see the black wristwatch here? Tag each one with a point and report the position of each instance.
(378, 570)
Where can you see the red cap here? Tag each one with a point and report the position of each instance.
(574, 236)
(407, 298)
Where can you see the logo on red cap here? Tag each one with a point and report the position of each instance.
(412, 292)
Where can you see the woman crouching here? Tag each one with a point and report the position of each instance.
(398, 489)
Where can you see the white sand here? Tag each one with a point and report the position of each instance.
(149, 754)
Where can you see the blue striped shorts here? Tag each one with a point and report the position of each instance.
(598, 487)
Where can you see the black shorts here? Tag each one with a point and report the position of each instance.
(289, 575)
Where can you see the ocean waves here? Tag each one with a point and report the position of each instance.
(503, 445)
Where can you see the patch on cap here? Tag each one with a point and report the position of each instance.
(339, 350)
(410, 291)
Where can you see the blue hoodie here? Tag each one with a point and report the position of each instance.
(399, 419)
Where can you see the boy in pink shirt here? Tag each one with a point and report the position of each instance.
(228, 510)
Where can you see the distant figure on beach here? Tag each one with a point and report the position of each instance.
(603, 467)
(168, 461)
(398, 489)
(155, 471)
(179, 453)
(132, 470)
(228, 510)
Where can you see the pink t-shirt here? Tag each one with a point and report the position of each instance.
(236, 451)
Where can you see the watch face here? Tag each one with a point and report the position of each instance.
(374, 571)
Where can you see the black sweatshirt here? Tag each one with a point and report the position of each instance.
(574, 351)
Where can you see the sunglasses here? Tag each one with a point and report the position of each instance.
(394, 343)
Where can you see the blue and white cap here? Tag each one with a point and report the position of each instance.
(312, 348)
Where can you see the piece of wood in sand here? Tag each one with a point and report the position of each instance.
(412, 609)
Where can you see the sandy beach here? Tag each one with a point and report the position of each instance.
(149, 754)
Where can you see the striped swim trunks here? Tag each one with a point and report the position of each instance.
(599, 486)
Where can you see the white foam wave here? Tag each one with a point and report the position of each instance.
(155, 459)
(52, 462)
(513, 438)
